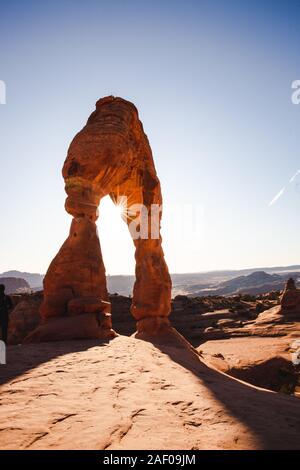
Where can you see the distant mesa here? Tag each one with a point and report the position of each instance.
(258, 282)
(226, 283)
(35, 280)
(14, 284)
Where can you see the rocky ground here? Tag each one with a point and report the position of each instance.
(216, 394)
(261, 361)
(224, 329)
(193, 317)
(132, 394)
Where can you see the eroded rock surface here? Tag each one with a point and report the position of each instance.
(229, 331)
(131, 394)
(25, 316)
(264, 361)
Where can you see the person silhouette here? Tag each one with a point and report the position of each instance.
(5, 306)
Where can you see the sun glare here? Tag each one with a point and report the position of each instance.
(121, 210)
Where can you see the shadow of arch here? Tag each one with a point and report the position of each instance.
(274, 419)
(23, 358)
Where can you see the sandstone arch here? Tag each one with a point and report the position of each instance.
(111, 155)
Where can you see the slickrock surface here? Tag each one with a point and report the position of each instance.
(261, 351)
(263, 361)
(131, 394)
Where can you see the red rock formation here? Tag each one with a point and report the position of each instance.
(290, 299)
(111, 155)
(25, 316)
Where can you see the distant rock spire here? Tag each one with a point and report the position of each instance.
(290, 285)
(290, 299)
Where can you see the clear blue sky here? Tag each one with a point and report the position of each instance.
(212, 81)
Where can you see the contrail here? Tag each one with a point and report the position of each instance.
(283, 189)
(277, 197)
(293, 177)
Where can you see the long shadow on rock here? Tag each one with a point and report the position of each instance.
(20, 359)
(273, 418)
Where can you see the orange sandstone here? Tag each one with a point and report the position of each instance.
(111, 155)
